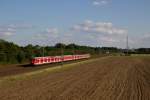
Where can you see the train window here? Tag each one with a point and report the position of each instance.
(56, 59)
(52, 59)
(45, 59)
(37, 61)
(60, 59)
(49, 59)
(41, 60)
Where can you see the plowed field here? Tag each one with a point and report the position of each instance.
(109, 78)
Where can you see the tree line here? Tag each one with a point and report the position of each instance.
(12, 53)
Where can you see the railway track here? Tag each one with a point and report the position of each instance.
(24, 68)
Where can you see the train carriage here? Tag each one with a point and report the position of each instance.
(55, 59)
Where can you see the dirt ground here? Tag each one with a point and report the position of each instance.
(110, 78)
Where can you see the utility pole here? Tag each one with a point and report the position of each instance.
(73, 49)
(99, 50)
(62, 54)
(127, 44)
(43, 51)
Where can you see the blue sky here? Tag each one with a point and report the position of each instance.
(85, 22)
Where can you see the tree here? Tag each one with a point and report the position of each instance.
(20, 56)
(59, 45)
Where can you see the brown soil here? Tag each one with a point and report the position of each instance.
(111, 78)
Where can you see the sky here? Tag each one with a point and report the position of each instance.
(84, 22)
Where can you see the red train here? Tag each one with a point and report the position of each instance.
(54, 59)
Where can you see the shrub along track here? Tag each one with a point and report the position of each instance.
(110, 78)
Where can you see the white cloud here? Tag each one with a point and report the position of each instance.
(108, 39)
(7, 31)
(100, 2)
(146, 36)
(139, 40)
(52, 30)
(101, 33)
(5, 34)
(142, 40)
(20, 26)
(52, 36)
(98, 27)
(48, 33)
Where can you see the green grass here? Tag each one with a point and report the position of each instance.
(140, 54)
